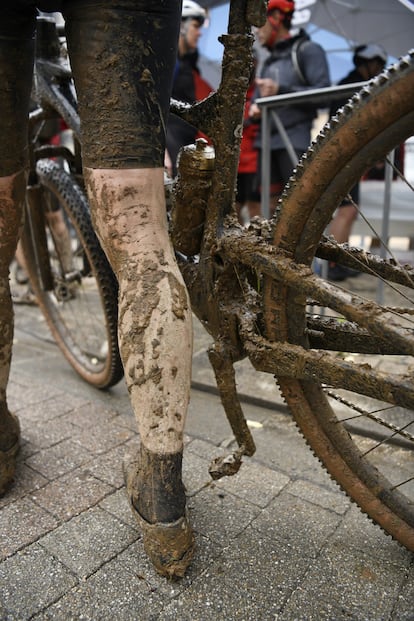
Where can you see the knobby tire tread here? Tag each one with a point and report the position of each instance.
(379, 118)
(70, 196)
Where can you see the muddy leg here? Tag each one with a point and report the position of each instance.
(62, 239)
(11, 197)
(155, 335)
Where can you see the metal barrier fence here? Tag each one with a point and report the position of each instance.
(323, 97)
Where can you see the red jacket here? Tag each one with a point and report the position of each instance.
(248, 152)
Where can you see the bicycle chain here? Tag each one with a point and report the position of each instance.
(370, 415)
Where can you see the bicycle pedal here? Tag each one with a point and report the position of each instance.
(226, 466)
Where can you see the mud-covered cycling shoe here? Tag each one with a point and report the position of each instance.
(157, 498)
(10, 435)
(169, 546)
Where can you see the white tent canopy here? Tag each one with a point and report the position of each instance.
(389, 22)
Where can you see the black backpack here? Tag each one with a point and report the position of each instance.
(297, 59)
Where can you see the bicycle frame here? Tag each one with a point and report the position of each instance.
(229, 314)
(251, 288)
(54, 94)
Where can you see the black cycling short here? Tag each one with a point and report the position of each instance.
(247, 188)
(281, 169)
(122, 54)
(354, 194)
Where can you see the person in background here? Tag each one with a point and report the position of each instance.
(188, 85)
(295, 63)
(369, 60)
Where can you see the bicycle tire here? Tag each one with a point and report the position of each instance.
(81, 314)
(379, 118)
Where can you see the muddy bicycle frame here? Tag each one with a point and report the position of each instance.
(229, 254)
(55, 98)
(252, 288)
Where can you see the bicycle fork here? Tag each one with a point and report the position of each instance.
(35, 238)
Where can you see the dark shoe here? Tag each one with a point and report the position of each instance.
(337, 272)
(8, 455)
(157, 500)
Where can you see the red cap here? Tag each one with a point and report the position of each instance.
(286, 6)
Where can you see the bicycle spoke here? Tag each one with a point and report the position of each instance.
(373, 415)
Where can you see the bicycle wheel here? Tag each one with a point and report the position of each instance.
(357, 419)
(80, 305)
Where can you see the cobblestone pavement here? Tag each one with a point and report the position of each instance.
(279, 541)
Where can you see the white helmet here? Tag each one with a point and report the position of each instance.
(192, 10)
(370, 51)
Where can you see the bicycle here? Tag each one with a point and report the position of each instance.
(74, 285)
(256, 294)
(252, 290)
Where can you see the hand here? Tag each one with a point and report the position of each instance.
(254, 112)
(267, 87)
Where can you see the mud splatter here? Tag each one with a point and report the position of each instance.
(178, 297)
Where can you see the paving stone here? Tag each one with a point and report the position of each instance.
(359, 532)
(102, 437)
(30, 581)
(118, 505)
(88, 541)
(113, 592)
(71, 494)
(108, 467)
(48, 408)
(205, 449)
(92, 414)
(254, 483)
(21, 523)
(280, 543)
(195, 472)
(44, 434)
(127, 420)
(345, 585)
(22, 394)
(281, 446)
(251, 579)
(293, 521)
(26, 450)
(219, 515)
(131, 450)
(212, 427)
(403, 609)
(26, 481)
(59, 459)
(3, 611)
(321, 496)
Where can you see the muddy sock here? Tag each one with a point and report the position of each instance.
(9, 429)
(160, 495)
